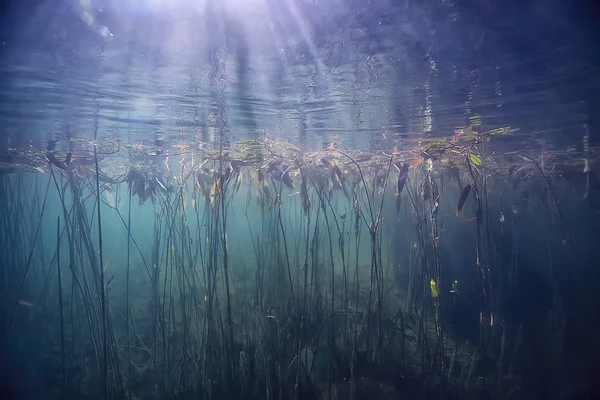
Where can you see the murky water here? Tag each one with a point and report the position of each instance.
(299, 199)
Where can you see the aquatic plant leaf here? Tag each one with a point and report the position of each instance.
(468, 220)
(273, 166)
(226, 173)
(28, 304)
(25, 303)
(428, 164)
(463, 197)
(434, 140)
(304, 196)
(251, 142)
(53, 160)
(287, 180)
(499, 131)
(475, 160)
(434, 290)
(109, 281)
(105, 266)
(468, 133)
(293, 149)
(402, 178)
(475, 120)
(339, 173)
(416, 162)
(436, 204)
(335, 181)
(327, 162)
(426, 188)
(454, 287)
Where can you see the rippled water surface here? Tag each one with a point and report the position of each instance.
(371, 73)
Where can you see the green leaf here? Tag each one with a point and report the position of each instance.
(454, 287)
(468, 133)
(434, 289)
(475, 120)
(499, 131)
(475, 160)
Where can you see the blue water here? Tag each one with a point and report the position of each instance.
(202, 199)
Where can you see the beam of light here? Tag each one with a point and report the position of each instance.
(166, 5)
(88, 15)
(305, 35)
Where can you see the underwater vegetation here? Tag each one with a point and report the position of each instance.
(443, 268)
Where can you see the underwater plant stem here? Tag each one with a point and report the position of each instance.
(434, 203)
(362, 178)
(127, 295)
(483, 279)
(102, 289)
(60, 303)
(332, 344)
(556, 202)
(374, 278)
(287, 258)
(344, 295)
(74, 281)
(29, 258)
(356, 292)
(226, 273)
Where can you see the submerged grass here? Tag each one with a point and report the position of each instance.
(273, 273)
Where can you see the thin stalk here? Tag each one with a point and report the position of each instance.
(29, 258)
(483, 281)
(127, 295)
(60, 304)
(102, 288)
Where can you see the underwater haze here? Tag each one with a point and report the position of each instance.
(299, 199)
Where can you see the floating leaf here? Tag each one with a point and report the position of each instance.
(432, 140)
(434, 291)
(475, 120)
(468, 133)
(475, 160)
(499, 131)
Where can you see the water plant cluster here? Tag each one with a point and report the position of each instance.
(260, 270)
